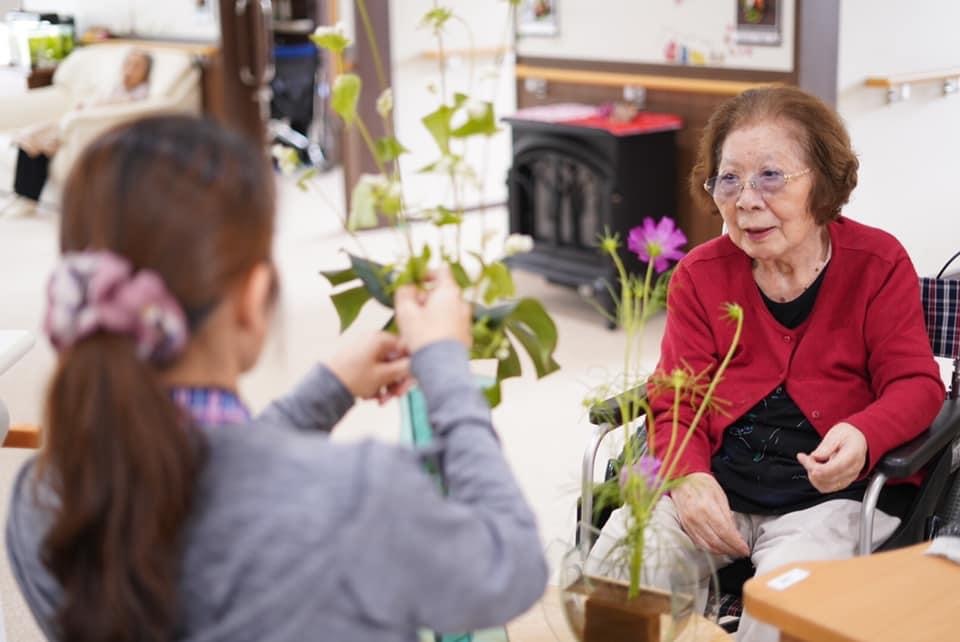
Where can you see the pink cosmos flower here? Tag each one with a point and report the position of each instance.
(658, 242)
(647, 468)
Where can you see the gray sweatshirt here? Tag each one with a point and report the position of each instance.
(297, 537)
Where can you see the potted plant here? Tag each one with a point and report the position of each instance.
(609, 598)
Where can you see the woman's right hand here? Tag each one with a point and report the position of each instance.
(437, 313)
(706, 518)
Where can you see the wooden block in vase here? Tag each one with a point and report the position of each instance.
(611, 615)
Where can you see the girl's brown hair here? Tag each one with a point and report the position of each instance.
(818, 130)
(194, 203)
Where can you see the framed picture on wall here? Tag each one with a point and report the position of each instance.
(758, 23)
(537, 18)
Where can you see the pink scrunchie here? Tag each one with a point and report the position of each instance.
(98, 291)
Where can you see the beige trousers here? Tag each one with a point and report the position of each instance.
(826, 531)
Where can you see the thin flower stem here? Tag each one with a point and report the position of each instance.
(458, 207)
(647, 280)
(374, 49)
(636, 562)
(441, 61)
(675, 428)
(704, 404)
(342, 215)
(371, 147)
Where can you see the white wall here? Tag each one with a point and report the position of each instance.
(909, 172)
(175, 19)
(638, 32)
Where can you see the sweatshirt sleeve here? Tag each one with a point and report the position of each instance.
(318, 402)
(26, 528)
(468, 560)
(688, 343)
(900, 363)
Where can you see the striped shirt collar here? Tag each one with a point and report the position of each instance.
(211, 407)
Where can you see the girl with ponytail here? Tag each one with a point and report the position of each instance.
(160, 509)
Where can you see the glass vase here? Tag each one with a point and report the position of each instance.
(677, 593)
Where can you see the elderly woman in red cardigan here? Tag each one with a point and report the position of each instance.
(834, 368)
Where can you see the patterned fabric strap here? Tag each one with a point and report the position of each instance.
(941, 310)
(211, 407)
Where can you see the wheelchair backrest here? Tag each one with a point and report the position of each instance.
(941, 311)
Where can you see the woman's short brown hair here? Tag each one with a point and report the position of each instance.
(818, 130)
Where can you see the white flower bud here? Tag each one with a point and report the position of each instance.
(385, 102)
(331, 30)
(517, 244)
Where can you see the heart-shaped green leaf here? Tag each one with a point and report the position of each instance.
(375, 278)
(444, 216)
(363, 205)
(459, 275)
(480, 121)
(438, 124)
(348, 304)
(331, 39)
(389, 148)
(339, 277)
(536, 332)
(492, 394)
(499, 283)
(346, 93)
(509, 367)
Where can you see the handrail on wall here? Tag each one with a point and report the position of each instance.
(898, 85)
(647, 81)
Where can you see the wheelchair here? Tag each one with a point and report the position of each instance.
(935, 504)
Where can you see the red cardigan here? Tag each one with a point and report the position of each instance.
(862, 356)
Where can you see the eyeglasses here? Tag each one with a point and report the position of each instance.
(724, 187)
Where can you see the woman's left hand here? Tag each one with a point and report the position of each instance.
(838, 460)
(375, 366)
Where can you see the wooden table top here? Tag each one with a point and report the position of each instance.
(887, 597)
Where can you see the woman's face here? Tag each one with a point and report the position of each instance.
(136, 68)
(768, 218)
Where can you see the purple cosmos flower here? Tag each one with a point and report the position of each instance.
(657, 242)
(647, 468)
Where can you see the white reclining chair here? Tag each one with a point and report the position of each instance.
(91, 71)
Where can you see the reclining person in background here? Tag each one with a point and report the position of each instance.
(834, 368)
(37, 144)
(159, 509)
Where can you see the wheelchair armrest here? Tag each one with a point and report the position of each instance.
(605, 416)
(608, 410)
(917, 453)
